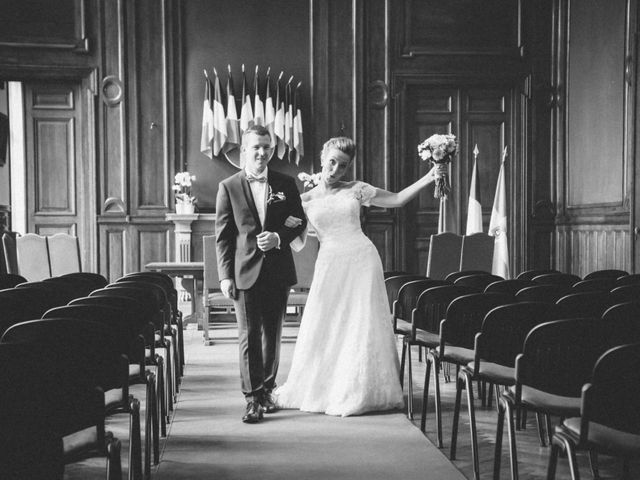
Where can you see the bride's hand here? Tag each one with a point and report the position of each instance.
(432, 174)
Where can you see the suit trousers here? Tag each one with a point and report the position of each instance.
(260, 313)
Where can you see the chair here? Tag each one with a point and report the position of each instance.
(477, 281)
(626, 293)
(47, 421)
(32, 254)
(430, 309)
(458, 330)
(453, 276)
(600, 284)
(631, 279)
(543, 293)
(64, 254)
(132, 345)
(510, 287)
(623, 320)
(93, 280)
(499, 341)
(530, 274)
(394, 284)
(212, 295)
(477, 252)
(393, 273)
(305, 261)
(609, 422)
(20, 304)
(444, 255)
(584, 304)
(555, 362)
(9, 256)
(557, 279)
(60, 293)
(612, 273)
(10, 280)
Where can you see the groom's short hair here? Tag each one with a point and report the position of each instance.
(259, 130)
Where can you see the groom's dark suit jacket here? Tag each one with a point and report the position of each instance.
(238, 224)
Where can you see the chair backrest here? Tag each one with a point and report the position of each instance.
(477, 281)
(157, 279)
(477, 252)
(394, 284)
(409, 294)
(9, 255)
(10, 280)
(146, 298)
(611, 273)
(612, 397)
(626, 293)
(631, 279)
(394, 273)
(453, 276)
(465, 316)
(305, 261)
(505, 328)
(33, 257)
(543, 293)
(584, 304)
(511, 286)
(558, 356)
(557, 279)
(58, 293)
(530, 274)
(94, 280)
(64, 254)
(599, 284)
(432, 304)
(444, 255)
(623, 320)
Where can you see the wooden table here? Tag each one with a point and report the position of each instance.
(195, 272)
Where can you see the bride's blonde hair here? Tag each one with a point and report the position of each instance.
(344, 144)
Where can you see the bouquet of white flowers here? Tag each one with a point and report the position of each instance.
(309, 180)
(440, 149)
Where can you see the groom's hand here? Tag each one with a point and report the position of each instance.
(228, 288)
(268, 240)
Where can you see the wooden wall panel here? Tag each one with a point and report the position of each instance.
(113, 245)
(151, 245)
(54, 164)
(586, 248)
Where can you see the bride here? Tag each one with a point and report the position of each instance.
(345, 360)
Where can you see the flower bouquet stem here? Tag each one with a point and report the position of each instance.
(442, 185)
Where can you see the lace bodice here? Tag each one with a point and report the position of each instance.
(336, 218)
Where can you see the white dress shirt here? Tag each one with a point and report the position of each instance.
(259, 191)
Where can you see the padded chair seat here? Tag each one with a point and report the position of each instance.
(217, 299)
(134, 370)
(427, 339)
(113, 398)
(494, 372)
(403, 327)
(607, 439)
(457, 355)
(555, 404)
(77, 442)
(297, 299)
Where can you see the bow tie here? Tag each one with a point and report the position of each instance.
(253, 178)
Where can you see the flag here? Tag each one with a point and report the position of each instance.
(288, 118)
(278, 124)
(498, 225)
(207, 120)
(258, 107)
(233, 123)
(219, 120)
(246, 113)
(270, 113)
(474, 210)
(298, 142)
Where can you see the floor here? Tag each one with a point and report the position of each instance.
(206, 438)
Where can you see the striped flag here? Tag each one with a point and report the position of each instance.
(207, 120)
(246, 113)
(498, 225)
(269, 112)
(288, 118)
(219, 119)
(298, 142)
(278, 125)
(258, 107)
(474, 210)
(233, 123)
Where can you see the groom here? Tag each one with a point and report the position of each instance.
(255, 264)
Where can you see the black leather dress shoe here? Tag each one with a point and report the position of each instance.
(254, 413)
(269, 403)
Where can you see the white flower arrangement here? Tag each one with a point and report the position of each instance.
(309, 180)
(439, 149)
(182, 187)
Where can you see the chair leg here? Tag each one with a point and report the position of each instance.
(425, 392)
(114, 464)
(135, 442)
(490, 395)
(409, 385)
(541, 430)
(402, 361)
(512, 441)
(436, 383)
(497, 454)
(573, 462)
(419, 354)
(149, 421)
(547, 419)
(160, 395)
(472, 427)
(553, 461)
(456, 418)
(593, 462)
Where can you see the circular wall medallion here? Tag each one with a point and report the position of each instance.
(112, 90)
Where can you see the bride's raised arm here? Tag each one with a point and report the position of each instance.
(385, 199)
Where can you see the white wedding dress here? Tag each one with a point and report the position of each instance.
(345, 360)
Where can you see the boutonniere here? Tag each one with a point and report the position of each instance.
(275, 197)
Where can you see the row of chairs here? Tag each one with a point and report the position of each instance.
(141, 346)
(450, 321)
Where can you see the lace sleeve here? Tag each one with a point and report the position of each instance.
(364, 193)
